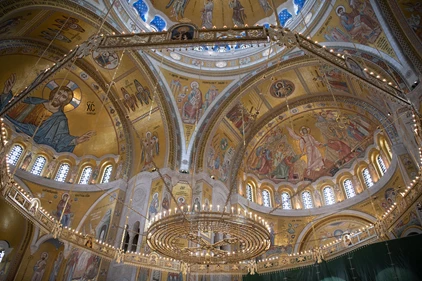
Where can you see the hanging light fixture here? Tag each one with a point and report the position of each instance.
(180, 235)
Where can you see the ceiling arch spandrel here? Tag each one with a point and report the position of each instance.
(331, 229)
(67, 114)
(355, 22)
(194, 97)
(312, 141)
(282, 88)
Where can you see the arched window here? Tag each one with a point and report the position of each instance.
(249, 192)
(14, 154)
(266, 198)
(381, 164)
(86, 175)
(126, 241)
(328, 195)
(107, 174)
(284, 16)
(349, 189)
(367, 178)
(159, 23)
(307, 200)
(286, 203)
(135, 237)
(142, 8)
(38, 165)
(62, 172)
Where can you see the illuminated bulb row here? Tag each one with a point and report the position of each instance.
(269, 259)
(239, 212)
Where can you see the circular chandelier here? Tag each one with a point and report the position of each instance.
(180, 236)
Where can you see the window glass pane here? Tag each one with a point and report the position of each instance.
(285, 201)
(107, 174)
(266, 198)
(14, 155)
(367, 178)
(381, 164)
(249, 192)
(329, 195)
(86, 175)
(62, 172)
(38, 165)
(349, 189)
(307, 200)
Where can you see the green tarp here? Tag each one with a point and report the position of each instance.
(398, 260)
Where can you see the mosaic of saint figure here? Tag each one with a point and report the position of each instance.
(150, 148)
(192, 107)
(309, 147)
(143, 94)
(177, 7)
(64, 208)
(239, 15)
(265, 6)
(153, 206)
(207, 13)
(39, 267)
(361, 22)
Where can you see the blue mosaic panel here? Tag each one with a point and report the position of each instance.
(142, 9)
(284, 16)
(159, 23)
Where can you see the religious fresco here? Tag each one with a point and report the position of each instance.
(319, 144)
(408, 220)
(220, 153)
(183, 194)
(81, 265)
(155, 199)
(67, 31)
(356, 22)
(65, 114)
(54, 202)
(97, 222)
(282, 88)
(412, 11)
(45, 264)
(12, 24)
(409, 166)
(241, 118)
(107, 60)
